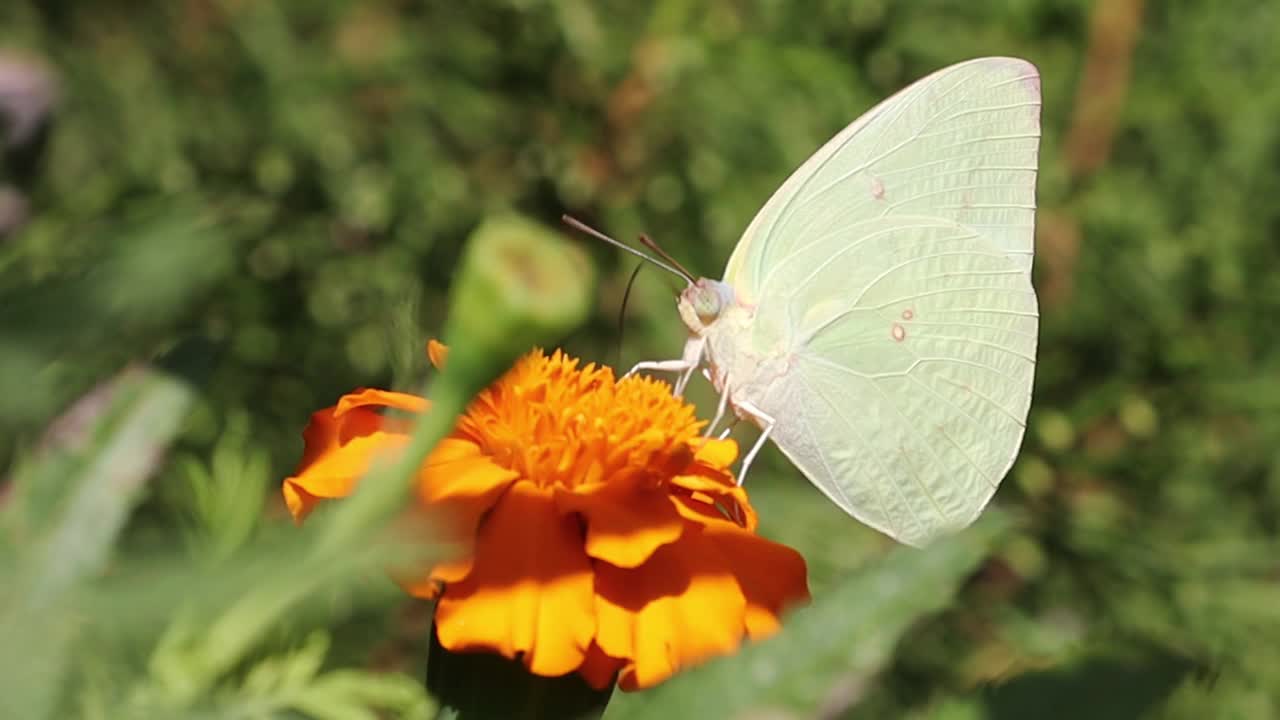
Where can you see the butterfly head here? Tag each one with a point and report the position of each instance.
(702, 302)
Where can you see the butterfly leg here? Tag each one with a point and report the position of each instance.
(766, 423)
(725, 433)
(683, 380)
(676, 366)
(686, 365)
(724, 403)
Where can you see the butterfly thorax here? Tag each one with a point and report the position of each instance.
(720, 325)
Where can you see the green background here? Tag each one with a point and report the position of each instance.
(270, 199)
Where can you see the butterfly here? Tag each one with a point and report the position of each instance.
(877, 319)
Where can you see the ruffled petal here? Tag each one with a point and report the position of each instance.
(461, 483)
(773, 577)
(677, 609)
(327, 430)
(299, 502)
(457, 486)
(710, 499)
(366, 397)
(529, 594)
(625, 523)
(709, 480)
(334, 474)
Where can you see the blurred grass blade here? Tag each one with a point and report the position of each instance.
(89, 491)
(70, 503)
(826, 652)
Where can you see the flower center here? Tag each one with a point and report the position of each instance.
(560, 425)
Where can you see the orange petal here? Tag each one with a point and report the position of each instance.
(717, 453)
(625, 523)
(712, 500)
(299, 501)
(773, 577)
(530, 592)
(334, 474)
(678, 609)
(461, 483)
(380, 398)
(458, 485)
(437, 352)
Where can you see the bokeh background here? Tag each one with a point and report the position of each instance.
(268, 200)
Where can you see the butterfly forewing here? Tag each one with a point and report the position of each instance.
(960, 144)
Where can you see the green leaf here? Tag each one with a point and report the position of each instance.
(225, 496)
(827, 653)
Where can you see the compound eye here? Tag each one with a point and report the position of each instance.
(707, 305)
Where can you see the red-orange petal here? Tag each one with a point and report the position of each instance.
(625, 523)
(679, 608)
(366, 397)
(598, 669)
(327, 430)
(529, 594)
(334, 473)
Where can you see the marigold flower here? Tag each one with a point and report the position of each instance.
(603, 534)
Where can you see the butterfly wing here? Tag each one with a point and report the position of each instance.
(893, 268)
(961, 143)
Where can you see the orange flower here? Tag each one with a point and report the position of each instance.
(599, 528)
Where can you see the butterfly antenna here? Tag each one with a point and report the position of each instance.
(583, 227)
(622, 312)
(649, 243)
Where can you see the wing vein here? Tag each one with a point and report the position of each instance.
(879, 461)
(915, 474)
(984, 343)
(918, 362)
(992, 311)
(977, 326)
(945, 291)
(993, 403)
(892, 269)
(946, 190)
(991, 108)
(897, 228)
(978, 424)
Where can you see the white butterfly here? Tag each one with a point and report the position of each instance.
(877, 319)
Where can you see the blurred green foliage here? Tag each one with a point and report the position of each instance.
(267, 201)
